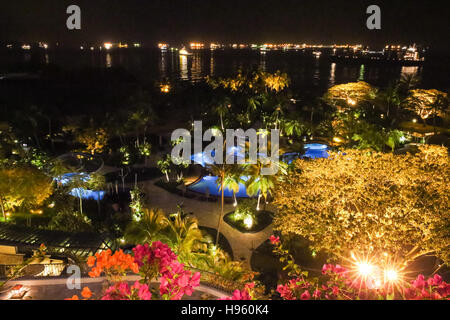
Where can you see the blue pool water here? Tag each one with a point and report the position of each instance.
(312, 150)
(81, 192)
(208, 184)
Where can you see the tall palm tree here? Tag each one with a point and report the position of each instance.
(222, 108)
(389, 98)
(228, 176)
(259, 184)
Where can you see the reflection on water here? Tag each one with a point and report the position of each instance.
(308, 75)
(262, 61)
(361, 73)
(108, 60)
(410, 71)
(316, 76)
(196, 68)
(184, 75)
(211, 64)
(162, 65)
(332, 78)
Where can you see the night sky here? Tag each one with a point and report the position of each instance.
(247, 21)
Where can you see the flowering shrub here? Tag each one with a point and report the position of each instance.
(113, 265)
(434, 288)
(340, 283)
(122, 291)
(155, 261)
(244, 294)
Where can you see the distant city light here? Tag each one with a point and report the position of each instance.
(108, 45)
(163, 46)
(165, 88)
(196, 45)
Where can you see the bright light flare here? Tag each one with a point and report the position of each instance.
(365, 269)
(391, 275)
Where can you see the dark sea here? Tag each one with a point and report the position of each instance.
(310, 75)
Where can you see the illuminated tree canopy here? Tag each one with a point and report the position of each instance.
(350, 94)
(23, 186)
(370, 202)
(426, 103)
(95, 140)
(257, 82)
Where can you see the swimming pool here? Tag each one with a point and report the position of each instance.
(208, 184)
(312, 150)
(80, 192)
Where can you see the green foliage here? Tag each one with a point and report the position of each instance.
(137, 203)
(23, 186)
(370, 203)
(194, 247)
(165, 165)
(71, 221)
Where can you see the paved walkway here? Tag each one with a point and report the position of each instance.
(57, 289)
(207, 214)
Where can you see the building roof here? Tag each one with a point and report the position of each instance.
(80, 244)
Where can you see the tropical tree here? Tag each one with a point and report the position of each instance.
(389, 98)
(261, 184)
(228, 177)
(148, 228)
(222, 108)
(350, 95)
(94, 140)
(294, 128)
(141, 114)
(371, 203)
(426, 103)
(180, 232)
(165, 165)
(23, 186)
(183, 234)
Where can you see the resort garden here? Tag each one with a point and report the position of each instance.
(358, 208)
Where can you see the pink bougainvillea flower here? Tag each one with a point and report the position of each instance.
(305, 295)
(274, 240)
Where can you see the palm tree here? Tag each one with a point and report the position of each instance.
(259, 184)
(148, 229)
(389, 98)
(228, 176)
(222, 108)
(183, 233)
